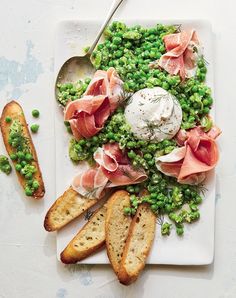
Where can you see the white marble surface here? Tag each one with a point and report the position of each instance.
(28, 264)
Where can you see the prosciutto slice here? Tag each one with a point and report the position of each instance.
(182, 52)
(106, 83)
(113, 169)
(88, 114)
(190, 162)
(91, 183)
(183, 134)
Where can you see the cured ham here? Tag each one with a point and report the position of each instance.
(183, 134)
(190, 162)
(91, 183)
(106, 83)
(113, 169)
(88, 114)
(182, 52)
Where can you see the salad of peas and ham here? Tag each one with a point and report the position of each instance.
(169, 169)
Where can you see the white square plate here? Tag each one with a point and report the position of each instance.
(196, 247)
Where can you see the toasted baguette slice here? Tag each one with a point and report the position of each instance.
(117, 227)
(14, 110)
(66, 208)
(138, 244)
(90, 238)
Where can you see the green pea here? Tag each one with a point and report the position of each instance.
(179, 231)
(95, 139)
(35, 184)
(202, 77)
(162, 49)
(69, 130)
(198, 199)
(28, 191)
(23, 163)
(193, 207)
(8, 119)
(87, 80)
(152, 148)
(135, 203)
(73, 91)
(195, 88)
(69, 85)
(187, 192)
(13, 156)
(118, 54)
(34, 128)
(18, 167)
(117, 40)
(154, 207)
(110, 135)
(30, 182)
(165, 86)
(114, 47)
(191, 119)
(148, 156)
(131, 144)
(200, 63)
(203, 69)
(131, 154)
(20, 155)
(166, 143)
(82, 142)
(35, 113)
(168, 208)
(14, 144)
(151, 162)
(86, 49)
(62, 87)
(185, 107)
(29, 176)
(206, 110)
(28, 157)
(127, 210)
(205, 102)
(153, 195)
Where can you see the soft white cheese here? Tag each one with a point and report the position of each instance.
(153, 114)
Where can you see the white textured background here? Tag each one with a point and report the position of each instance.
(28, 265)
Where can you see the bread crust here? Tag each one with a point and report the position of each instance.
(148, 231)
(66, 208)
(15, 111)
(74, 253)
(115, 206)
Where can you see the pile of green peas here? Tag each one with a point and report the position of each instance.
(130, 50)
(22, 157)
(166, 196)
(5, 166)
(71, 91)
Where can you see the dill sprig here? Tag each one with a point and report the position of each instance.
(88, 215)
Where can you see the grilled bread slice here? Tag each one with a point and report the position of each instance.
(117, 227)
(66, 208)
(15, 112)
(90, 238)
(138, 244)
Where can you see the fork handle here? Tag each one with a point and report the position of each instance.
(113, 9)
